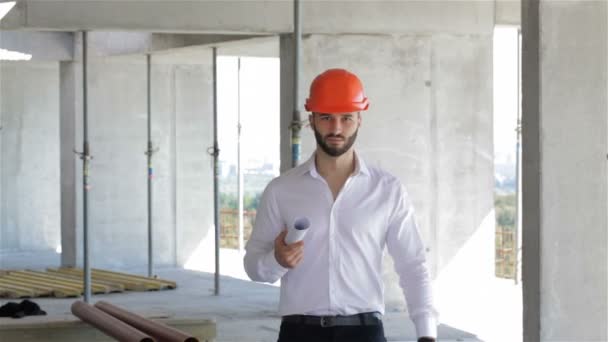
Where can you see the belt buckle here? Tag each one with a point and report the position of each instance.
(327, 321)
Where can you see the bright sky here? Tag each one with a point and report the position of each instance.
(505, 91)
(259, 108)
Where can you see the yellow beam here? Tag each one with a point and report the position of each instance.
(19, 286)
(113, 286)
(51, 279)
(129, 285)
(160, 283)
(170, 284)
(9, 292)
(73, 286)
(62, 290)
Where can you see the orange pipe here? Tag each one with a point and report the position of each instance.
(107, 324)
(159, 331)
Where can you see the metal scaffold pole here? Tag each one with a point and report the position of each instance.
(517, 237)
(86, 159)
(296, 124)
(149, 153)
(239, 159)
(216, 181)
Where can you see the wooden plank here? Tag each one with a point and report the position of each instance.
(19, 285)
(60, 289)
(170, 284)
(129, 285)
(57, 291)
(133, 277)
(150, 284)
(29, 281)
(31, 292)
(50, 279)
(113, 286)
(8, 292)
(45, 281)
(132, 285)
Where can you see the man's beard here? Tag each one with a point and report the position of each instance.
(335, 151)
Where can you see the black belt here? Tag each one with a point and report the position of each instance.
(367, 318)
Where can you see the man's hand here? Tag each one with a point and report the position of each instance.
(288, 256)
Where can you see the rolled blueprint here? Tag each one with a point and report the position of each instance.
(297, 230)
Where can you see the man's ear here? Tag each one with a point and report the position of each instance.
(359, 119)
(311, 120)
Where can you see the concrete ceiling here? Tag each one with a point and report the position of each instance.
(261, 16)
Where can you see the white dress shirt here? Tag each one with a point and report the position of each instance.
(341, 271)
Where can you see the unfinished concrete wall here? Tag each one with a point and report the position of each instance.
(29, 156)
(565, 191)
(428, 78)
(507, 12)
(117, 136)
(429, 123)
(40, 46)
(183, 180)
(193, 101)
(71, 108)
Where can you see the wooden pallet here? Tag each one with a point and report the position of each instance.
(68, 282)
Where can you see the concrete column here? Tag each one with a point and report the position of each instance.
(70, 106)
(1, 159)
(12, 80)
(194, 166)
(565, 196)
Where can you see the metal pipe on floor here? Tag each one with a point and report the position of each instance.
(216, 178)
(107, 324)
(159, 331)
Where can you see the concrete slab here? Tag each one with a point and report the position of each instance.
(244, 311)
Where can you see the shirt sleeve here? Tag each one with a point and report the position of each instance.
(260, 262)
(405, 246)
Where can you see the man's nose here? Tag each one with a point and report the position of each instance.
(335, 125)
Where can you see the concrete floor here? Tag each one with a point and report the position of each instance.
(244, 311)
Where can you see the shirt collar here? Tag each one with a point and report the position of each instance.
(310, 166)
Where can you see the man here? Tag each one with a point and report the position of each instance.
(331, 281)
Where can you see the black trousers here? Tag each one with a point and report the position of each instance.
(296, 332)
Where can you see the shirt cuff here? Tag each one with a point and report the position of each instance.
(272, 265)
(426, 326)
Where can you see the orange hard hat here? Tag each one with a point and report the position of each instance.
(336, 91)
